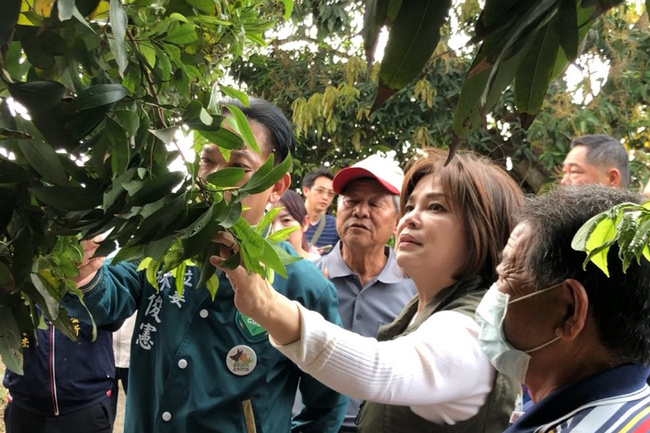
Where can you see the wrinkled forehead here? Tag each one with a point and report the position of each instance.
(515, 252)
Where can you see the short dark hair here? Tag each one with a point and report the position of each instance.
(271, 117)
(483, 194)
(294, 204)
(605, 151)
(620, 304)
(309, 180)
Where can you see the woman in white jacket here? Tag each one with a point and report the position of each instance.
(428, 373)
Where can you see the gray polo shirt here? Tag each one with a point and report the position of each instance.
(364, 309)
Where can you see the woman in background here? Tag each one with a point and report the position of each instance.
(294, 214)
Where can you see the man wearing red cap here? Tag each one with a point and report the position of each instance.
(371, 288)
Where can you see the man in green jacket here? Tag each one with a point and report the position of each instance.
(198, 365)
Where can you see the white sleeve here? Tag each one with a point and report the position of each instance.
(438, 370)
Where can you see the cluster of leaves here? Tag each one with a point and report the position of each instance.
(526, 42)
(626, 224)
(106, 87)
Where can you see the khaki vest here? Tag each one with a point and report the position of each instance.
(493, 417)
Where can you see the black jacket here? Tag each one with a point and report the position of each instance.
(61, 375)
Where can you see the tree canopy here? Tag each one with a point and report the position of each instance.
(329, 91)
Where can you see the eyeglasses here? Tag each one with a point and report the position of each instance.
(322, 191)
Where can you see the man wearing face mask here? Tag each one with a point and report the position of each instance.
(579, 340)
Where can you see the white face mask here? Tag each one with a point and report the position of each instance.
(490, 315)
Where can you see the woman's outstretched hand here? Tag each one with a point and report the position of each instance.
(256, 298)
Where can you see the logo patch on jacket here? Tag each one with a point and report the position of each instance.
(249, 328)
(241, 360)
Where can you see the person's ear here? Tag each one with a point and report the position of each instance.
(305, 223)
(279, 188)
(613, 177)
(305, 190)
(575, 306)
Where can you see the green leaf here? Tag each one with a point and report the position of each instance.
(166, 135)
(98, 95)
(68, 198)
(262, 226)
(580, 239)
(148, 52)
(373, 21)
(584, 16)
(236, 94)
(535, 74)
(44, 160)
(37, 95)
(212, 284)
(7, 283)
(207, 270)
(155, 189)
(181, 33)
(223, 138)
(566, 28)
(206, 6)
(627, 228)
(47, 286)
(129, 121)
(6, 134)
(229, 215)
(154, 226)
(118, 21)
(179, 277)
(272, 261)
(288, 7)
(266, 176)
(411, 41)
(640, 240)
(198, 235)
(284, 256)
(10, 172)
(152, 273)
(41, 46)
(282, 234)
(120, 148)
(113, 192)
(472, 103)
(85, 121)
(226, 177)
(10, 343)
(603, 234)
(250, 241)
(241, 126)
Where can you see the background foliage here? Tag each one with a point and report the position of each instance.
(323, 81)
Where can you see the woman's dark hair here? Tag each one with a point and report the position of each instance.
(294, 204)
(482, 193)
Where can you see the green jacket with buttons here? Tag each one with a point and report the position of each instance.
(198, 366)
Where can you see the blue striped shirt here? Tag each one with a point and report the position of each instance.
(616, 400)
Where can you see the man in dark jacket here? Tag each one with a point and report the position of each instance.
(66, 385)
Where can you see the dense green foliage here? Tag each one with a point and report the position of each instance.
(107, 86)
